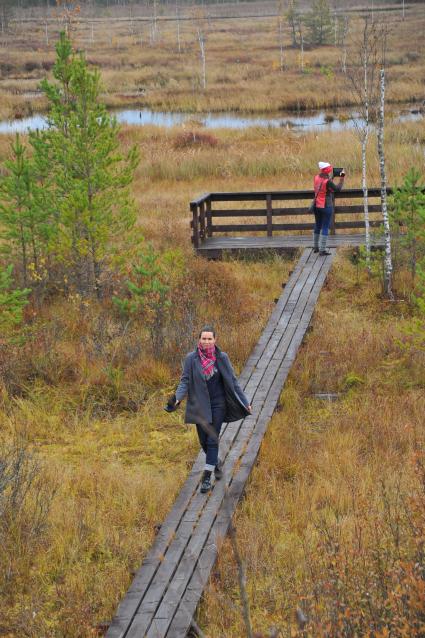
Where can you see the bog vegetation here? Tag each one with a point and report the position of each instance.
(100, 296)
(286, 57)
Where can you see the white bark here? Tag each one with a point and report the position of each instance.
(365, 197)
(344, 45)
(388, 266)
(282, 59)
(335, 30)
(365, 138)
(154, 24)
(300, 31)
(201, 40)
(178, 26)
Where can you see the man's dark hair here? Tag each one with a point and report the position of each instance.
(207, 328)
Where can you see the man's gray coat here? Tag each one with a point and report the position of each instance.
(194, 386)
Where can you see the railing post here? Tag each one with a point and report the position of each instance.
(332, 226)
(195, 225)
(202, 220)
(269, 216)
(209, 218)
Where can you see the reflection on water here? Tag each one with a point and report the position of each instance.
(320, 120)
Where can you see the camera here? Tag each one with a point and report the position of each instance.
(338, 172)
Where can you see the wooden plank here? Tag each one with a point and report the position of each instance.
(269, 216)
(195, 226)
(240, 228)
(290, 195)
(202, 224)
(358, 224)
(200, 199)
(280, 242)
(295, 211)
(209, 218)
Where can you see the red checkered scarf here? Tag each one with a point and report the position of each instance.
(208, 358)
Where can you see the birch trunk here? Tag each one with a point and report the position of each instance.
(388, 266)
(302, 51)
(281, 45)
(365, 138)
(178, 27)
(366, 198)
(201, 39)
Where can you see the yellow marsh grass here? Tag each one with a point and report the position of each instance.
(243, 64)
(128, 468)
(330, 471)
(114, 477)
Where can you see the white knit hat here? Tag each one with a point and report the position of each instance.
(323, 165)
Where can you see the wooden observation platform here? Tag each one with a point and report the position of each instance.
(166, 590)
(276, 220)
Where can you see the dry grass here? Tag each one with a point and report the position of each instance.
(333, 518)
(243, 62)
(88, 400)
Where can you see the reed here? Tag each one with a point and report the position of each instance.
(243, 62)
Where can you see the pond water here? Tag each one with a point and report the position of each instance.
(319, 120)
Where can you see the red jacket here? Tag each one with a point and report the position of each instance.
(320, 188)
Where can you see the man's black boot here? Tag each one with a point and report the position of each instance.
(206, 482)
(218, 470)
(324, 253)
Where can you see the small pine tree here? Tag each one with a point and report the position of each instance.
(89, 178)
(319, 22)
(148, 296)
(12, 302)
(293, 16)
(15, 207)
(407, 215)
(25, 216)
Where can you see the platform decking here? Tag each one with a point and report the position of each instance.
(167, 588)
(215, 247)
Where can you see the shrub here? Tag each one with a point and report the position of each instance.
(194, 138)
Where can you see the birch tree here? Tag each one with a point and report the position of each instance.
(201, 34)
(343, 33)
(361, 75)
(154, 22)
(388, 265)
(178, 26)
(300, 27)
(280, 35)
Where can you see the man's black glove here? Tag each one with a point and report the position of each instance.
(172, 404)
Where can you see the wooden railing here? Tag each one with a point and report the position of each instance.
(207, 220)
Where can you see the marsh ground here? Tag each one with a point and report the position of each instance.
(141, 64)
(107, 461)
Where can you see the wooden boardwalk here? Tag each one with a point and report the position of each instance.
(167, 588)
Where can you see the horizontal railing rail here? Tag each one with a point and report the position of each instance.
(207, 220)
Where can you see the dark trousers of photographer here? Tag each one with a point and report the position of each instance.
(323, 217)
